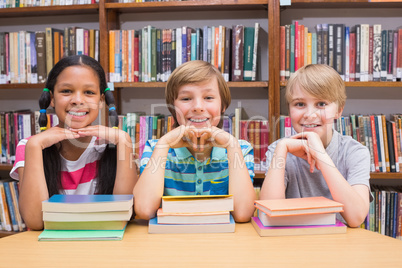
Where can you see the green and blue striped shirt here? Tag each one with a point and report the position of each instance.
(185, 175)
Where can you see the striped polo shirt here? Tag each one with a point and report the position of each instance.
(77, 177)
(185, 175)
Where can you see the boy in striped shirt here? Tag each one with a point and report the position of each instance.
(197, 157)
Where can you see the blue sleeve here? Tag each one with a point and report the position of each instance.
(146, 154)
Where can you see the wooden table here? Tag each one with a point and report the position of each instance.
(244, 248)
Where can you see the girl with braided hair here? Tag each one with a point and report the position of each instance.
(76, 156)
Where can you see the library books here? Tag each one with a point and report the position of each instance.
(298, 206)
(87, 203)
(338, 228)
(88, 216)
(197, 203)
(85, 225)
(81, 235)
(193, 218)
(157, 228)
(307, 219)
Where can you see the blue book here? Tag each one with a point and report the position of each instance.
(155, 228)
(87, 203)
(11, 208)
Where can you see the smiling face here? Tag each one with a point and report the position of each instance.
(309, 113)
(199, 105)
(76, 97)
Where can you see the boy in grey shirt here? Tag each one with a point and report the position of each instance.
(318, 161)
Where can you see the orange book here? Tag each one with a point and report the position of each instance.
(216, 50)
(309, 48)
(375, 148)
(301, 46)
(137, 138)
(298, 206)
(111, 55)
(92, 43)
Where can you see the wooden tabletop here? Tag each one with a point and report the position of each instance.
(244, 248)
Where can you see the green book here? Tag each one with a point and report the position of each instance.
(81, 235)
(248, 53)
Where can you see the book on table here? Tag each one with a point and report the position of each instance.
(87, 203)
(197, 203)
(337, 228)
(306, 219)
(124, 215)
(85, 225)
(81, 235)
(298, 206)
(156, 228)
(193, 218)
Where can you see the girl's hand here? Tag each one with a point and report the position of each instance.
(52, 136)
(107, 134)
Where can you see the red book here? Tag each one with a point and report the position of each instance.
(297, 45)
(375, 148)
(352, 56)
(136, 55)
(257, 145)
(395, 146)
(301, 46)
(264, 141)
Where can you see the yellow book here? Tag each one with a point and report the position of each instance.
(111, 55)
(309, 47)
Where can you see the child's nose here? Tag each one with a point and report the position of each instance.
(198, 105)
(77, 98)
(311, 112)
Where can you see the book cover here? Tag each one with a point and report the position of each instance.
(298, 206)
(81, 235)
(237, 52)
(85, 225)
(197, 203)
(88, 216)
(248, 53)
(155, 228)
(87, 203)
(192, 218)
(338, 228)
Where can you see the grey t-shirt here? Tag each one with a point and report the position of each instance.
(350, 157)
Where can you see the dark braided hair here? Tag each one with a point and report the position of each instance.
(51, 155)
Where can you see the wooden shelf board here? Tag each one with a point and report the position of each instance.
(200, 5)
(21, 86)
(342, 4)
(49, 10)
(363, 84)
(7, 233)
(373, 175)
(256, 84)
(5, 167)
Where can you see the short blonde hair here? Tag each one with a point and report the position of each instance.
(194, 72)
(320, 81)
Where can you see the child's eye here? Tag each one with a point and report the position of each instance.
(209, 98)
(321, 104)
(299, 104)
(65, 91)
(184, 99)
(89, 92)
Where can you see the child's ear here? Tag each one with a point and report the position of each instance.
(51, 99)
(102, 101)
(339, 113)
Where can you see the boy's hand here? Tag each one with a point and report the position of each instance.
(215, 137)
(314, 146)
(176, 138)
(52, 136)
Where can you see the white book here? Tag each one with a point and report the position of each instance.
(376, 52)
(28, 57)
(300, 220)
(364, 51)
(347, 54)
(79, 43)
(21, 57)
(178, 47)
(381, 141)
(255, 51)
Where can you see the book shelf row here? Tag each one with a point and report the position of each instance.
(361, 52)
(151, 54)
(43, 3)
(10, 217)
(27, 57)
(385, 213)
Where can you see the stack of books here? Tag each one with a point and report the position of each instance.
(298, 216)
(86, 217)
(194, 214)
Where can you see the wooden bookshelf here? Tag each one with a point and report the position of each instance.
(48, 11)
(7, 233)
(364, 84)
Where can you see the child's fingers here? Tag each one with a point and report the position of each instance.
(203, 138)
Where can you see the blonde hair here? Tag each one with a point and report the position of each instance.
(320, 81)
(194, 72)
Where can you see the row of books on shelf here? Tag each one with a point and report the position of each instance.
(361, 52)
(145, 1)
(151, 54)
(10, 217)
(42, 3)
(381, 136)
(18, 125)
(27, 57)
(385, 213)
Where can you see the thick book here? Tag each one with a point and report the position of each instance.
(307, 219)
(338, 228)
(298, 206)
(192, 218)
(81, 235)
(155, 228)
(197, 203)
(87, 203)
(85, 225)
